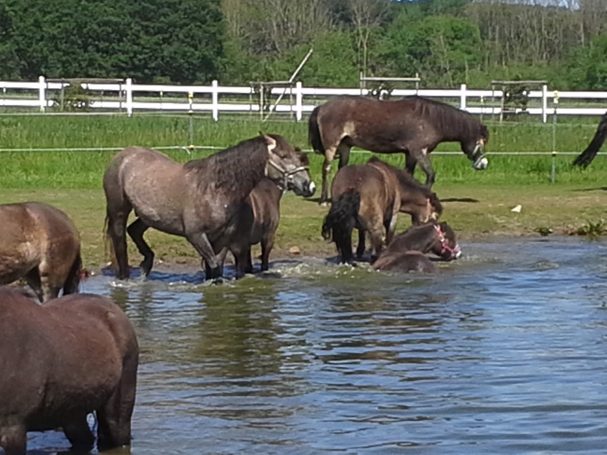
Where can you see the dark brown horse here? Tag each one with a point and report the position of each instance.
(368, 197)
(61, 361)
(255, 222)
(412, 125)
(196, 200)
(407, 251)
(586, 157)
(40, 244)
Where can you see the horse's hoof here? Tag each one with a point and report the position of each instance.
(218, 280)
(324, 204)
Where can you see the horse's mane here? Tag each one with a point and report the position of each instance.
(231, 168)
(453, 122)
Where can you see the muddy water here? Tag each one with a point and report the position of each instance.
(503, 351)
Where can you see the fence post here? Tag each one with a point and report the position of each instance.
(462, 97)
(215, 99)
(129, 96)
(544, 103)
(298, 101)
(42, 93)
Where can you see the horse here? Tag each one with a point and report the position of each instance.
(368, 197)
(62, 360)
(412, 125)
(255, 222)
(586, 157)
(40, 244)
(406, 252)
(196, 200)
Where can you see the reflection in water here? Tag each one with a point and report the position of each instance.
(501, 352)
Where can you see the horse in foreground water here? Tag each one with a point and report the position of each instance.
(196, 200)
(61, 361)
(412, 125)
(368, 197)
(40, 244)
(406, 252)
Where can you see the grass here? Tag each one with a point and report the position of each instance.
(476, 203)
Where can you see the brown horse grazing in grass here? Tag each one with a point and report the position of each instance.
(255, 222)
(406, 252)
(61, 361)
(196, 200)
(412, 125)
(368, 197)
(586, 157)
(40, 244)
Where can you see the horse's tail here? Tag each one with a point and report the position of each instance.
(72, 282)
(314, 132)
(340, 221)
(586, 157)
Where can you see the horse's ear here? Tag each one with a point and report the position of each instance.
(270, 142)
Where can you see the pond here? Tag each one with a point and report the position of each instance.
(502, 352)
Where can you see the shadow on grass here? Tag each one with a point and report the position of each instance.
(460, 199)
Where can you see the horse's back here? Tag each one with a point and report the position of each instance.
(404, 262)
(73, 345)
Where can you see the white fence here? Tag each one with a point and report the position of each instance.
(295, 100)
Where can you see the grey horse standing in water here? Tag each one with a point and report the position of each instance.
(197, 200)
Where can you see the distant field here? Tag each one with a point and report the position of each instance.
(39, 160)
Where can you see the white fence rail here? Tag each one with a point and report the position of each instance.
(295, 100)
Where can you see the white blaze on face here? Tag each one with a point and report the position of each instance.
(481, 164)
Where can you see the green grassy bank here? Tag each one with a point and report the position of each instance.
(476, 203)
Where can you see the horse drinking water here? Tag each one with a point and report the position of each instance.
(412, 125)
(196, 200)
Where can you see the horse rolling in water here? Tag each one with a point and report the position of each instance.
(39, 243)
(412, 125)
(196, 200)
(406, 252)
(368, 197)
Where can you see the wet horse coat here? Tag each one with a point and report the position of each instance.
(61, 361)
(412, 125)
(368, 197)
(406, 252)
(196, 200)
(40, 244)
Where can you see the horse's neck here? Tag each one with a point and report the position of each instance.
(420, 239)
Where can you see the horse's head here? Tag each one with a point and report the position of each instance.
(288, 167)
(445, 246)
(474, 148)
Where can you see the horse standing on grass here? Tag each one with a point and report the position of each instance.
(586, 157)
(40, 244)
(196, 200)
(412, 125)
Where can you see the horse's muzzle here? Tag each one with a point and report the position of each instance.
(481, 163)
(309, 189)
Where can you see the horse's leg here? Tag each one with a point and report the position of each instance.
(201, 243)
(424, 163)
(79, 434)
(360, 248)
(13, 439)
(33, 280)
(326, 169)
(266, 248)
(115, 416)
(116, 229)
(410, 162)
(390, 226)
(136, 230)
(344, 154)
